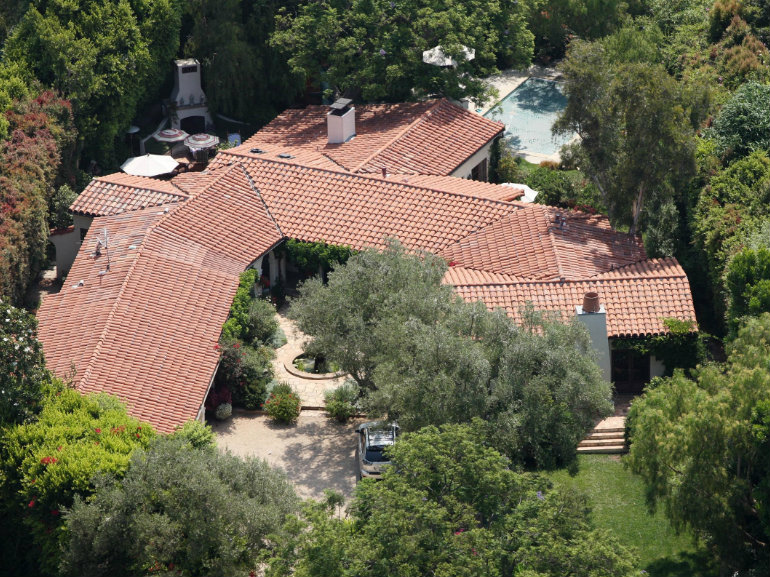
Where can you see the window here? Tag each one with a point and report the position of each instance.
(480, 171)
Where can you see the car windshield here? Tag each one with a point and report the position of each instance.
(374, 454)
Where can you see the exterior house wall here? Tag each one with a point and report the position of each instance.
(187, 98)
(66, 244)
(657, 368)
(466, 168)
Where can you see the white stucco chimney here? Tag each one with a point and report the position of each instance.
(593, 316)
(341, 121)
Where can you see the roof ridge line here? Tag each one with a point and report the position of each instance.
(259, 194)
(140, 251)
(179, 193)
(400, 135)
(550, 232)
(591, 280)
(375, 178)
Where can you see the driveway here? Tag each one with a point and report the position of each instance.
(317, 453)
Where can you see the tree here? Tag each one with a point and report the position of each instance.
(372, 49)
(45, 464)
(743, 124)
(178, 508)
(701, 446)
(748, 283)
(637, 128)
(425, 357)
(102, 55)
(231, 38)
(23, 376)
(450, 506)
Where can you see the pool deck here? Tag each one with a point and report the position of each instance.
(508, 81)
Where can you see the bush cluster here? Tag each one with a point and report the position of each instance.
(283, 404)
(341, 402)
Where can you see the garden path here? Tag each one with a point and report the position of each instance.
(311, 391)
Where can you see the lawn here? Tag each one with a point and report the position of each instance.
(617, 499)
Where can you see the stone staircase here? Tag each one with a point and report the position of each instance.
(607, 437)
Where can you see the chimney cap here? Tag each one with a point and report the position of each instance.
(341, 103)
(591, 302)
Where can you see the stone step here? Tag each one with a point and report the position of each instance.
(606, 449)
(609, 430)
(605, 435)
(602, 442)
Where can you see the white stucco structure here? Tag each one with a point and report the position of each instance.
(187, 98)
(596, 323)
(465, 170)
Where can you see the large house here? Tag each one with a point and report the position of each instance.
(144, 302)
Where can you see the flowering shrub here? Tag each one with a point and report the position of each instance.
(224, 411)
(283, 404)
(245, 371)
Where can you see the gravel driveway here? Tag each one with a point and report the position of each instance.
(317, 453)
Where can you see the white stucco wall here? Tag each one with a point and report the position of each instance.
(464, 170)
(66, 249)
(596, 323)
(657, 368)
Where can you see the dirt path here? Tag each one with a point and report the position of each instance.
(317, 453)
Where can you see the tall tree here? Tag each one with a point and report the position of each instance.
(424, 356)
(181, 509)
(637, 129)
(372, 49)
(450, 505)
(231, 38)
(702, 446)
(102, 55)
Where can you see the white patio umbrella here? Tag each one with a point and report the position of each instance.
(437, 57)
(529, 194)
(170, 135)
(149, 165)
(202, 140)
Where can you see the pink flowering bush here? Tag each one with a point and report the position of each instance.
(283, 404)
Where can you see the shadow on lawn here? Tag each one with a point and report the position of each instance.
(696, 564)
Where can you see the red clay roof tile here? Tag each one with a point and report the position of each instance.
(120, 192)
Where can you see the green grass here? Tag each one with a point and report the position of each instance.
(617, 499)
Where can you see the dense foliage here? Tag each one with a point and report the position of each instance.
(702, 448)
(46, 464)
(423, 356)
(103, 55)
(283, 404)
(450, 506)
(23, 376)
(36, 155)
(178, 509)
(312, 257)
(372, 49)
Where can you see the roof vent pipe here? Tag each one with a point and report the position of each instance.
(591, 302)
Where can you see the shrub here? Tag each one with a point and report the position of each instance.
(196, 434)
(261, 321)
(279, 339)
(340, 402)
(224, 411)
(283, 404)
(246, 371)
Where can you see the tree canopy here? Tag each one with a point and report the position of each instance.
(450, 505)
(701, 446)
(178, 509)
(372, 49)
(424, 356)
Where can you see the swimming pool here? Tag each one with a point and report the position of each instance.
(528, 113)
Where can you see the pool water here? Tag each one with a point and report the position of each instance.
(528, 114)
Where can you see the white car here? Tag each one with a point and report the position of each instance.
(373, 439)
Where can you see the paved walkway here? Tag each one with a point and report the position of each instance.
(311, 391)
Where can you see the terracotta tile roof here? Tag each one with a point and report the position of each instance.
(528, 243)
(361, 211)
(151, 336)
(636, 298)
(431, 137)
(120, 192)
(71, 320)
(460, 186)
